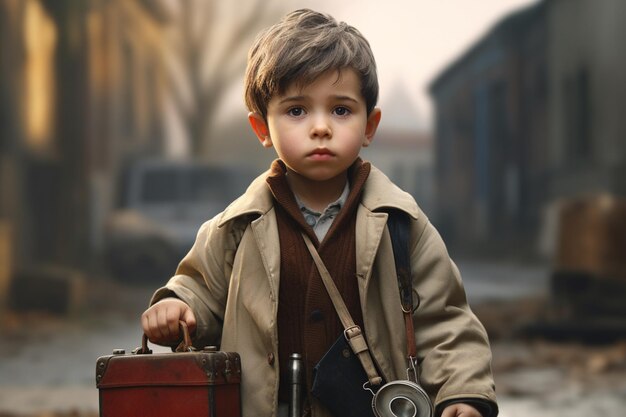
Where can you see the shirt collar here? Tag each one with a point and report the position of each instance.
(332, 208)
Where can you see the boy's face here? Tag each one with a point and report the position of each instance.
(319, 129)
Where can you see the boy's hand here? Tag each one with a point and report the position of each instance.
(160, 321)
(460, 410)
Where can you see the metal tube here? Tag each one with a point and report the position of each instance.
(296, 377)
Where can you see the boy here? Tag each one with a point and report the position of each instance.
(249, 282)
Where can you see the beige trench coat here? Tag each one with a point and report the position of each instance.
(233, 291)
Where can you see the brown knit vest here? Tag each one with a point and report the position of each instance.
(307, 321)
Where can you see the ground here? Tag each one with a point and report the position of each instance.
(47, 362)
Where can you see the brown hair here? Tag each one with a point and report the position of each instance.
(301, 47)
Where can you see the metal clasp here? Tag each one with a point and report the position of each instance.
(412, 373)
(351, 332)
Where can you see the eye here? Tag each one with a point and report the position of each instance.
(295, 111)
(341, 111)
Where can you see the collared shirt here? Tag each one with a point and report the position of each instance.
(321, 222)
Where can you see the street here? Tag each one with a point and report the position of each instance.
(47, 364)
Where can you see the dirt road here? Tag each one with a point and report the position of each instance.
(47, 364)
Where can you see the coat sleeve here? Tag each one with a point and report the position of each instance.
(453, 346)
(202, 278)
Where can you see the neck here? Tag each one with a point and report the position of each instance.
(317, 195)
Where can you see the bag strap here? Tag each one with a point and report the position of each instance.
(399, 225)
(352, 332)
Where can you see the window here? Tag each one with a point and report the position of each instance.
(161, 186)
(577, 115)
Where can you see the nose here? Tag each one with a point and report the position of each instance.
(320, 128)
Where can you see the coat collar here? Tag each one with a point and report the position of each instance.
(379, 193)
(256, 201)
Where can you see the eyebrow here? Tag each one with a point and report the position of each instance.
(300, 98)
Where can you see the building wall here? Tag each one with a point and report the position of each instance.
(489, 134)
(11, 101)
(537, 104)
(80, 87)
(587, 90)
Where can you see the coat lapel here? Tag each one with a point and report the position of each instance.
(369, 230)
(379, 194)
(265, 231)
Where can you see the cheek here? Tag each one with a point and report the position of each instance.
(286, 140)
(357, 138)
(283, 145)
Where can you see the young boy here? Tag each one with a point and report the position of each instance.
(249, 282)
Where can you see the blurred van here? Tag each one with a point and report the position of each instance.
(162, 205)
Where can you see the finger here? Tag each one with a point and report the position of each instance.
(190, 319)
(162, 323)
(449, 411)
(154, 333)
(466, 410)
(173, 316)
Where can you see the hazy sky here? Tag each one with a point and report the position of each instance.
(413, 40)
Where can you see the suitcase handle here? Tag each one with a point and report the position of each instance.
(184, 346)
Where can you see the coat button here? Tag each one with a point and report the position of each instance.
(270, 358)
(316, 316)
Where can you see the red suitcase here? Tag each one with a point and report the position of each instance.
(187, 383)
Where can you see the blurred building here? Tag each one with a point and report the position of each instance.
(79, 91)
(402, 150)
(528, 115)
(88, 90)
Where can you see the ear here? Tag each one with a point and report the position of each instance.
(259, 126)
(372, 124)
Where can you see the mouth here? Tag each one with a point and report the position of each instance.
(321, 152)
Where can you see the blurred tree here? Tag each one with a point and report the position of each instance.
(209, 41)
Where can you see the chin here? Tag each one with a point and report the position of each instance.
(325, 176)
